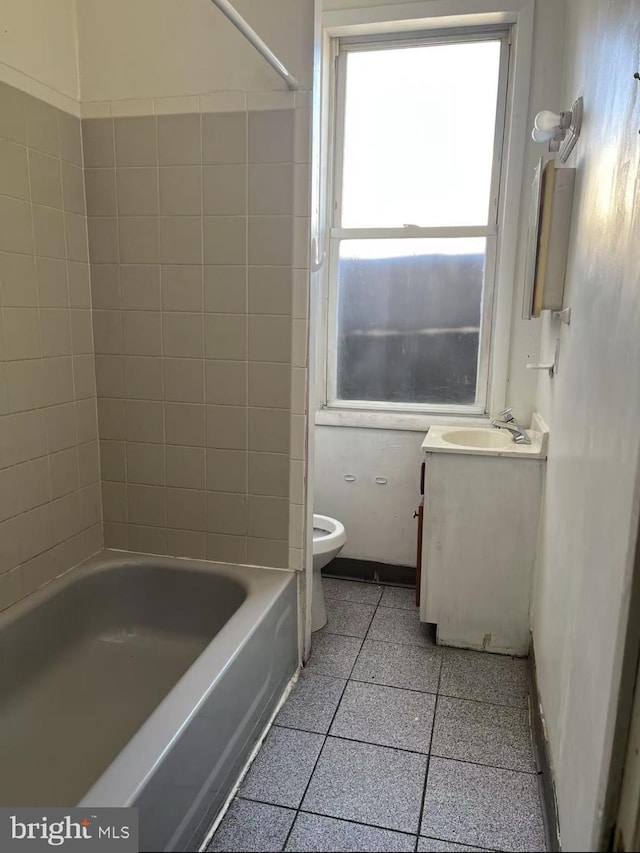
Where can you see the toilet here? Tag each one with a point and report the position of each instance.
(328, 539)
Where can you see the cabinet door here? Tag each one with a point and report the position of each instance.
(419, 554)
(480, 535)
(420, 516)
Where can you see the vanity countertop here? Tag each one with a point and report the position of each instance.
(483, 441)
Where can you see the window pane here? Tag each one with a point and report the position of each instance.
(419, 135)
(409, 314)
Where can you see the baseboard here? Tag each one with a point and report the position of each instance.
(368, 570)
(543, 763)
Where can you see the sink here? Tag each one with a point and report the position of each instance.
(463, 439)
(488, 438)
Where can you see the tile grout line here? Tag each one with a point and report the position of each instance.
(65, 213)
(448, 841)
(436, 649)
(247, 367)
(352, 821)
(426, 775)
(203, 327)
(404, 749)
(395, 686)
(299, 809)
(329, 817)
(125, 406)
(483, 702)
(349, 678)
(165, 502)
(326, 735)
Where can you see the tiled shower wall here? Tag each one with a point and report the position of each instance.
(198, 237)
(49, 467)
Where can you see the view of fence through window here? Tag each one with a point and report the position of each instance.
(417, 154)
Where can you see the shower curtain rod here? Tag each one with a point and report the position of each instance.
(251, 35)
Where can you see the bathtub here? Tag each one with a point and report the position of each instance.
(143, 681)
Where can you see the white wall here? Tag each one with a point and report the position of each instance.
(369, 452)
(590, 517)
(142, 49)
(378, 518)
(38, 49)
(64, 51)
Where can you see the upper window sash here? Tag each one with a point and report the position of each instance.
(340, 224)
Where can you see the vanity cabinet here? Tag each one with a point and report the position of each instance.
(480, 534)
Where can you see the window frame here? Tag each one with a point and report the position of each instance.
(343, 410)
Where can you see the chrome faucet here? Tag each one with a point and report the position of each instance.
(507, 421)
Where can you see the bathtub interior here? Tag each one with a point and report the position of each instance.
(83, 670)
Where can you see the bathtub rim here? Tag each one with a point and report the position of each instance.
(125, 777)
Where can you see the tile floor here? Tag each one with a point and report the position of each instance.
(388, 742)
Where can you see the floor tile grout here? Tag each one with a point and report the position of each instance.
(351, 636)
(347, 679)
(286, 841)
(244, 797)
(354, 636)
(431, 753)
(482, 702)
(482, 764)
(365, 742)
(449, 841)
(440, 693)
(432, 721)
(417, 836)
(369, 604)
(394, 687)
(435, 711)
(426, 776)
(442, 650)
(330, 817)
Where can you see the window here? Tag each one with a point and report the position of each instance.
(414, 221)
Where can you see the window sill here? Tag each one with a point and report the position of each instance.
(406, 421)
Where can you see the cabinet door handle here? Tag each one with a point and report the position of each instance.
(416, 513)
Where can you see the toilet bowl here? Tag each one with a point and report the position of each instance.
(328, 539)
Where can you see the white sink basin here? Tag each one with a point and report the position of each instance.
(487, 438)
(486, 441)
